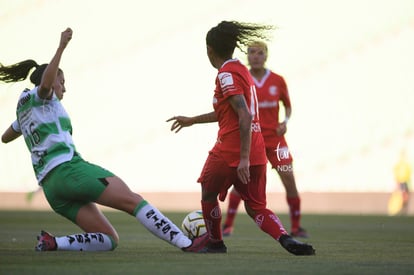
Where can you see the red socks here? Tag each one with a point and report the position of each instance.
(294, 210)
(269, 223)
(234, 201)
(212, 217)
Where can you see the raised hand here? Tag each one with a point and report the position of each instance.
(65, 37)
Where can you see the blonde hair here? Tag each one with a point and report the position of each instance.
(258, 44)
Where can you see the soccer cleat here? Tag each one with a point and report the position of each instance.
(300, 233)
(227, 231)
(198, 244)
(217, 247)
(46, 242)
(295, 247)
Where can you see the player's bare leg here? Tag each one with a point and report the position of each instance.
(293, 200)
(118, 195)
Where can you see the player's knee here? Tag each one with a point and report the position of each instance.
(209, 196)
(114, 241)
(252, 209)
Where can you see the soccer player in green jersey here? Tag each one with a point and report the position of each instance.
(72, 185)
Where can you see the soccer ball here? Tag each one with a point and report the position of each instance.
(193, 224)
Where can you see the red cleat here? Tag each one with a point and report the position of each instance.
(46, 242)
(198, 244)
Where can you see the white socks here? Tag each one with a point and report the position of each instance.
(85, 242)
(149, 216)
(160, 225)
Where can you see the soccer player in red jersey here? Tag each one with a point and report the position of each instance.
(238, 157)
(271, 89)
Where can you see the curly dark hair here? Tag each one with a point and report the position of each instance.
(228, 35)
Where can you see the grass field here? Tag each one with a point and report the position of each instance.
(344, 245)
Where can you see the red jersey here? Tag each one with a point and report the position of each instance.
(270, 90)
(234, 79)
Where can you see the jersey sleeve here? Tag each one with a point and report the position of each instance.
(230, 83)
(16, 126)
(284, 97)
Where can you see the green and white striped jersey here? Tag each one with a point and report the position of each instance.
(47, 131)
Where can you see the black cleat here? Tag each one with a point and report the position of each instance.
(295, 247)
(217, 247)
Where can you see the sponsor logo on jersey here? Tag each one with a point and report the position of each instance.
(23, 100)
(282, 152)
(268, 104)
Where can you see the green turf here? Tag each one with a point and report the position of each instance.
(344, 245)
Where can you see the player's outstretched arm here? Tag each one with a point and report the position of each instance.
(9, 135)
(180, 122)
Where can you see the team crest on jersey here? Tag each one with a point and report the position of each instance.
(273, 90)
(226, 79)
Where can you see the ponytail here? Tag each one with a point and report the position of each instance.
(20, 71)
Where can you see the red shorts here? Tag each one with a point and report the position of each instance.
(218, 177)
(278, 153)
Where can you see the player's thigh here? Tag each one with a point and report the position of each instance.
(119, 196)
(214, 177)
(254, 193)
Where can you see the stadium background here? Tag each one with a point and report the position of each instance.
(349, 66)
